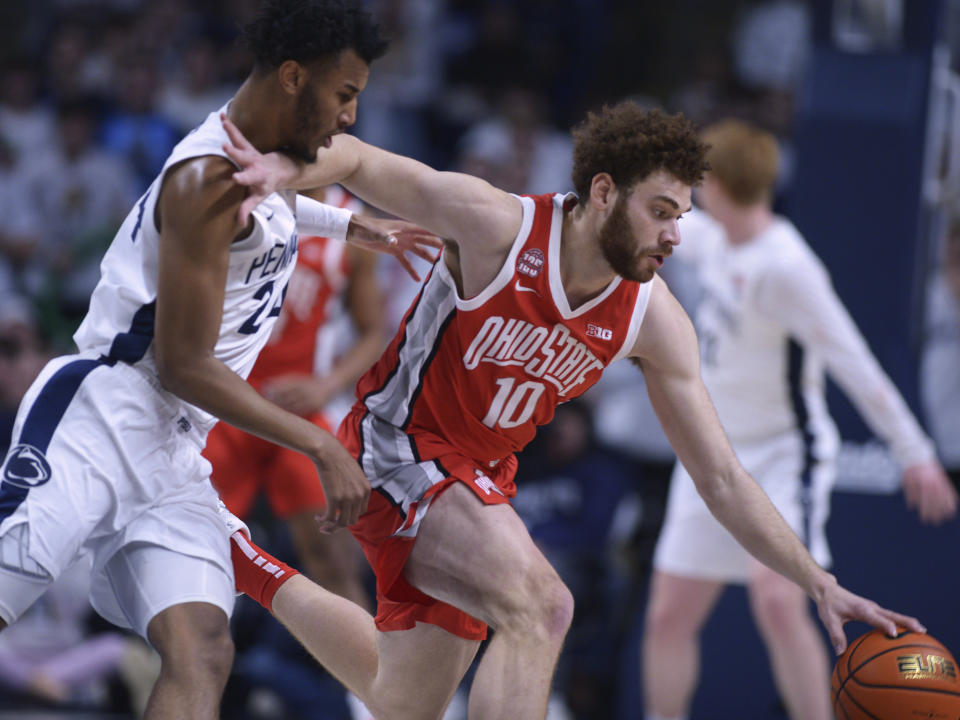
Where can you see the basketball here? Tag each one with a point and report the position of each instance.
(909, 676)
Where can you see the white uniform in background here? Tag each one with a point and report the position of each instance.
(769, 323)
(104, 460)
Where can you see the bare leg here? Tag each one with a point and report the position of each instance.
(337, 632)
(342, 637)
(797, 653)
(676, 611)
(332, 561)
(196, 654)
(481, 559)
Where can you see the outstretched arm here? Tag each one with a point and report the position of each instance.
(390, 237)
(451, 205)
(798, 295)
(667, 353)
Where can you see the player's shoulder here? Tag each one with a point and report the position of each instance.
(788, 257)
(199, 175)
(784, 243)
(198, 163)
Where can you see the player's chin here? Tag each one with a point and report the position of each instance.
(638, 273)
(308, 151)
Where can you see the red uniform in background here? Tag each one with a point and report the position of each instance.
(464, 385)
(244, 464)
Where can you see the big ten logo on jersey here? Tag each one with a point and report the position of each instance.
(553, 355)
(530, 263)
(599, 332)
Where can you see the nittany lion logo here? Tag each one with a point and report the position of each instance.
(26, 467)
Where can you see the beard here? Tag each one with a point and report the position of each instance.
(306, 124)
(617, 244)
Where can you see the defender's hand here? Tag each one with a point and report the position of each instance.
(346, 488)
(837, 606)
(394, 237)
(299, 393)
(261, 174)
(927, 489)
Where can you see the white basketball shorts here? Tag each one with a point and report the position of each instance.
(694, 544)
(103, 461)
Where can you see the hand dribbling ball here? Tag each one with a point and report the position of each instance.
(907, 677)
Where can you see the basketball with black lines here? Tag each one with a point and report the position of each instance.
(907, 677)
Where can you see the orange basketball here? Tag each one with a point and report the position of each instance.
(907, 677)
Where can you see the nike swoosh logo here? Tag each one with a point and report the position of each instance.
(270, 216)
(520, 288)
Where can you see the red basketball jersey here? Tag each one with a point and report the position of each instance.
(317, 283)
(481, 374)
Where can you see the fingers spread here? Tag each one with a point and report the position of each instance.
(406, 265)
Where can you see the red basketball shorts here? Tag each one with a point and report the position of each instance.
(407, 471)
(245, 465)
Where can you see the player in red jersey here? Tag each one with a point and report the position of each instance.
(244, 465)
(532, 298)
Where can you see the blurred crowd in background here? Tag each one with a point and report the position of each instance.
(95, 94)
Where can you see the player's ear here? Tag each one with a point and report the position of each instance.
(292, 76)
(602, 191)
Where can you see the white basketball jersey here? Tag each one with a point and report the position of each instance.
(120, 322)
(763, 381)
(769, 324)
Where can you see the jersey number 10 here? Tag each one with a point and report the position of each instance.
(505, 409)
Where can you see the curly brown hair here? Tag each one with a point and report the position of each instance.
(630, 143)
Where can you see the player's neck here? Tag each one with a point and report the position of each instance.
(247, 112)
(584, 272)
(747, 224)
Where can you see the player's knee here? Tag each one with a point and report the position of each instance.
(666, 618)
(195, 647)
(541, 605)
(778, 607)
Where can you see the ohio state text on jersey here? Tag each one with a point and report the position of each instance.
(483, 373)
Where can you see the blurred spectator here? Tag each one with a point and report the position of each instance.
(406, 79)
(20, 231)
(71, 70)
(493, 55)
(22, 355)
(82, 193)
(198, 90)
(703, 95)
(568, 492)
(517, 149)
(772, 44)
(26, 123)
(135, 128)
(50, 655)
(940, 365)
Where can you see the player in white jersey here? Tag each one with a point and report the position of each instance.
(769, 323)
(105, 456)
